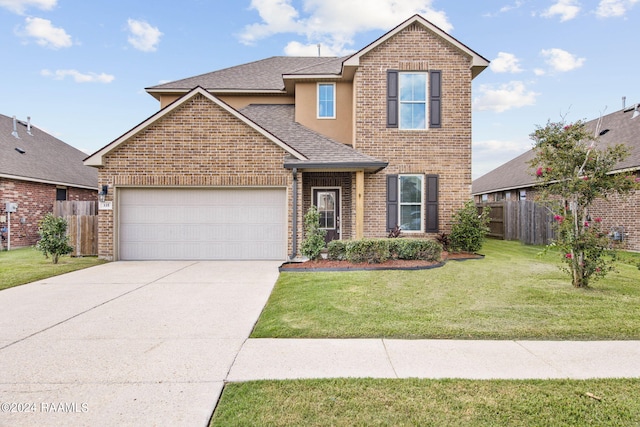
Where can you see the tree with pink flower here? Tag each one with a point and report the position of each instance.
(572, 171)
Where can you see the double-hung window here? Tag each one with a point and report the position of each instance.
(413, 100)
(410, 202)
(326, 100)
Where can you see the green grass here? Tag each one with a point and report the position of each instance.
(514, 293)
(26, 265)
(412, 402)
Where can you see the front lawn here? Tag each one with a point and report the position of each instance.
(413, 402)
(27, 265)
(511, 294)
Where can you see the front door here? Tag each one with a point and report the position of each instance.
(327, 200)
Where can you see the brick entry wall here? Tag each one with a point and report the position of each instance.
(34, 201)
(332, 179)
(444, 151)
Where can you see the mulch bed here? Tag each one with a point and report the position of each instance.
(396, 264)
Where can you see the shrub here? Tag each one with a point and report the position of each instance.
(469, 229)
(444, 240)
(337, 250)
(314, 242)
(53, 237)
(417, 249)
(373, 251)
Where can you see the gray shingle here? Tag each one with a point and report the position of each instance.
(265, 74)
(45, 157)
(279, 121)
(517, 173)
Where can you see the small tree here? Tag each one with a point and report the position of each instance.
(573, 172)
(314, 242)
(469, 229)
(53, 237)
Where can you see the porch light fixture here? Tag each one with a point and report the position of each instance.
(103, 194)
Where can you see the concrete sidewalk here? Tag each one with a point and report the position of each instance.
(389, 358)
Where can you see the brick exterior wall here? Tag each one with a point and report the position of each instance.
(34, 201)
(445, 151)
(197, 145)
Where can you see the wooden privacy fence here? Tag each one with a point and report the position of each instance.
(82, 221)
(523, 220)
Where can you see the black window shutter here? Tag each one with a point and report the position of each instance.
(392, 99)
(431, 204)
(392, 202)
(435, 97)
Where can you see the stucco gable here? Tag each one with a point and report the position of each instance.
(98, 158)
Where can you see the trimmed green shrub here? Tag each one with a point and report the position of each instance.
(314, 242)
(337, 250)
(373, 251)
(417, 249)
(469, 229)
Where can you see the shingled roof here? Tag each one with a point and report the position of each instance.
(321, 152)
(41, 157)
(615, 128)
(263, 75)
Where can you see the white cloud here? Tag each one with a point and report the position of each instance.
(614, 8)
(298, 49)
(505, 63)
(334, 22)
(46, 34)
(504, 97)
(78, 77)
(19, 6)
(143, 36)
(567, 9)
(488, 155)
(561, 60)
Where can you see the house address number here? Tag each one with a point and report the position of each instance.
(105, 206)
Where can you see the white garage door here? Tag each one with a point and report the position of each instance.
(211, 224)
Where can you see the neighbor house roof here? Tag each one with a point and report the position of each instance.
(615, 128)
(40, 157)
(321, 152)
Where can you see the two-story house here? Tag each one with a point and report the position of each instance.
(234, 158)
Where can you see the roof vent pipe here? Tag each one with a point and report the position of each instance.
(624, 102)
(15, 128)
(29, 125)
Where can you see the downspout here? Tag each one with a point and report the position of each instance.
(294, 219)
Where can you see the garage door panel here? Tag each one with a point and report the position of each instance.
(202, 224)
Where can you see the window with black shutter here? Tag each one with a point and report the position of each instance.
(408, 105)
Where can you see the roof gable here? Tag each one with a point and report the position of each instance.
(97, 159)
(44, 158)
(479, 63)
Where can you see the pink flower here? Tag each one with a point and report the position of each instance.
(567, 127)
(539, 172)
(598, 269)
(568, 256)
(586, 223)
(585, 178)
(598, 220)
(558, 218)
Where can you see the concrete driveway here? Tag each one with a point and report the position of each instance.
(126, 343)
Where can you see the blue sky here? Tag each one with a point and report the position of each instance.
(79, 68)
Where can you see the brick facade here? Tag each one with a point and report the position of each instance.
(199, 144)
(445, 151)
(34, 201)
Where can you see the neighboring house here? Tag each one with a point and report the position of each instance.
(36, 169)
(515, 180)
(234, 159)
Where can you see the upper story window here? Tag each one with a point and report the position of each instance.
(326, 100)
(413, 100)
